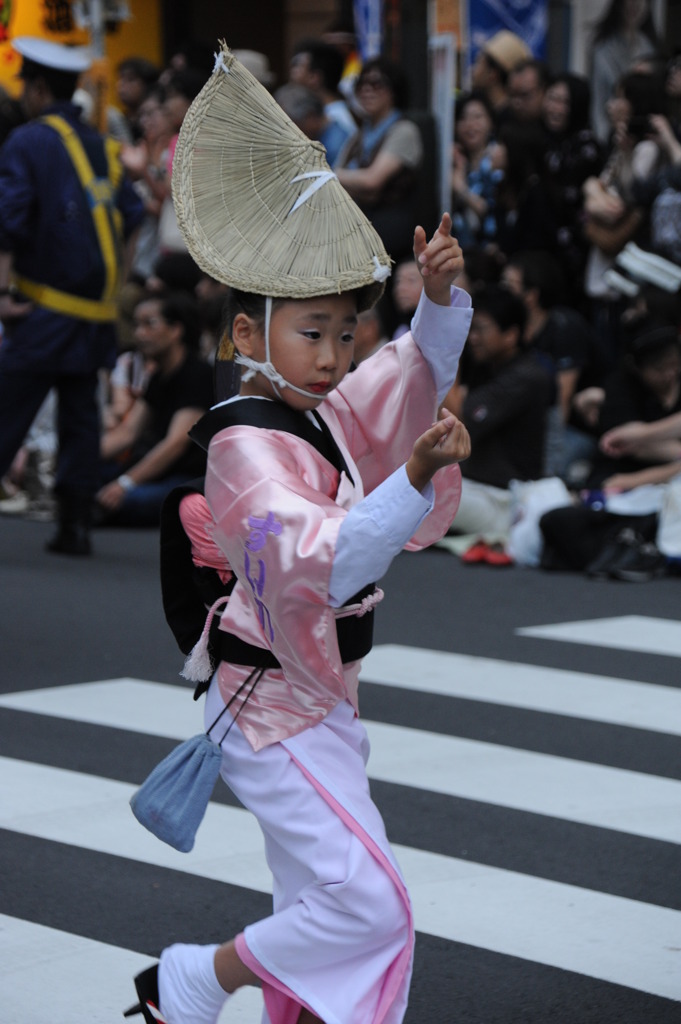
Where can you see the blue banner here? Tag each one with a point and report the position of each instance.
(527, 18)
(369, 27)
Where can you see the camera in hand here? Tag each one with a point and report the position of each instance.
(639, 126)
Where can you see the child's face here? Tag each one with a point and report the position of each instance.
(311, 345)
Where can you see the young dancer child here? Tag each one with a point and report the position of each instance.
(316, 479)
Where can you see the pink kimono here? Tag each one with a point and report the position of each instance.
(340, 939)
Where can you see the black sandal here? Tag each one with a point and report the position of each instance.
(146, 984)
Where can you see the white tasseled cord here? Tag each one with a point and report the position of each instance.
(198, 665)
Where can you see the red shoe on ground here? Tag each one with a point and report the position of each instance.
(476, 553)
(495, 555)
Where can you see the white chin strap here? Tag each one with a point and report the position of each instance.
(268, 369)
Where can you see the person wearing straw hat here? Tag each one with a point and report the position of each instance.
(316, 479)
(66, 214)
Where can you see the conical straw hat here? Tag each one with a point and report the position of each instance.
(257, 203)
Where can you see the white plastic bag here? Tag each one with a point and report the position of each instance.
(531, 499)
(669, 526)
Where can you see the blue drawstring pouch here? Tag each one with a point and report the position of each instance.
(172, 800)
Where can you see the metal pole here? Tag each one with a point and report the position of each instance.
(97, 28)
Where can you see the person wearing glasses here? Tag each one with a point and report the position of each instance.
(379, 166)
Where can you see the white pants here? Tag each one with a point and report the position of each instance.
(483, 510)
(340, 938)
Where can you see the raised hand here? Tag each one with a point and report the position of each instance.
(440, 261)
(447, 441)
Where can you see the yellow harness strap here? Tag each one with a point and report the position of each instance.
(107, 222)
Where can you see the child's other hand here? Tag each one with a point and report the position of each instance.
(440, 260)
(447, 441)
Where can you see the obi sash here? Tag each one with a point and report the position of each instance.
(188, 590)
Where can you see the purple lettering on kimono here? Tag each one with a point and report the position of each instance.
(259, 530)
(257, 577)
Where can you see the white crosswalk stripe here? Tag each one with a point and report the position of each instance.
(540, 783)
(528, 917)
(68, 964)
(611, 938)
(626, 632)
(575, 694)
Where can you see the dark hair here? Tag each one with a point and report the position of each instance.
(647, 339)
(252, 305)
(187, 83)
(326, 59)
(393, 73)
(482, 267)
(645, 92)
(579, 91)
(525, 145)
(541, 270)
(139, 67)
(62, 84)
(180, 308)
(542, 69)
(299, 102)
(661, 304)
(476, 96)
(505, 308)
(501, 71)
(178, 272)
(611, 22)
(156, 92)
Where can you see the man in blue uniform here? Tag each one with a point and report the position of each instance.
(66, 219)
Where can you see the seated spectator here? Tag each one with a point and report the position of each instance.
(407, 285)
(661, 192)
(306, 110)
(572, 155)
(495, 60)
(523, 213)
(638, 438)
(135, 77)
(564, 338)
(153, 437)
(147, 164)
(477, 169)
(646, 388)
(126, 384)
(503, 404)
(379, 167)
(174, 272)
(618, 516)
(612, 215)
(319, 66)
(211, 296)
(28, 487)
(624, 34)
(527, 84)
(181, 88)
(341, 35)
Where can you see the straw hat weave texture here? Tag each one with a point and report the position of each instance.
(257, 203)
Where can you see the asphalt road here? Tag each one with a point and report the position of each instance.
(530, 782)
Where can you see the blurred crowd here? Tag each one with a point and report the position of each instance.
(566, 201)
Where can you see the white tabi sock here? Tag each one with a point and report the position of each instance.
(189, 992)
